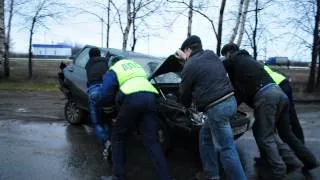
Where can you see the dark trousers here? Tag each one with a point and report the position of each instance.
(138, 108)
(288, 136)
(271, 110)
(294, 121)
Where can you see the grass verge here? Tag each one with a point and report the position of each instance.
(28, 86)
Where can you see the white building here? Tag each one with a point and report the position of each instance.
(51, 50)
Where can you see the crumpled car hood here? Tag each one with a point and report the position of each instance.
(171, 64)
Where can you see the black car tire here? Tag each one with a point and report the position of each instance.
(163, 136)
(73, 114)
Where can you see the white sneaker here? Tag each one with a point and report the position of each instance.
(107, 151)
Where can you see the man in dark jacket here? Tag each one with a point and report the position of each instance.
(96, 67)
(205, 82)
(271, 109)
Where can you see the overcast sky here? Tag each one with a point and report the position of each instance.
(86, 29)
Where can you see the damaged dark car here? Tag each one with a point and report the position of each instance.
(164, 74)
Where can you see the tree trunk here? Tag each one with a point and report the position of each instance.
(108, 25)
(2, 37)
(315, 48)
(190, 14)
(7, 43)
(223, 5)
(236, 27)
(254, 34)
(30, 49)
(134, 28)
(243, 21)
(127, 29)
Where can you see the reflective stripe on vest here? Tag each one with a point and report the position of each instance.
(132, 77)
(277, 77)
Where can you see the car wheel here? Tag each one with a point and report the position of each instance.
(73, 114)
(163, 136)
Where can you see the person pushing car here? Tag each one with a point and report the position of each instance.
(127, 86)
(95, 68)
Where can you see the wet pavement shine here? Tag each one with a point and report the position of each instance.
(37, 143)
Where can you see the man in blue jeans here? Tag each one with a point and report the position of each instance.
(205, 82)
(95, 68)
(127, 86)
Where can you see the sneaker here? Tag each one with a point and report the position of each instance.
(107, 151)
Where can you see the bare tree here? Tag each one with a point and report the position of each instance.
(315, 49)
(218, 34)
(190, 15)
(108, 25)
(221, 12)
(236, 27)
(305, 23)
(141, 11)
(38, 15)
(2, 35)
(125, 30)
(7, 42)
(243, 21)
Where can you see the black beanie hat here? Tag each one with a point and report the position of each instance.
(190, 41)
(94, 52)
(231, 47)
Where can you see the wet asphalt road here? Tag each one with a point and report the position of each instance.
(37, 143)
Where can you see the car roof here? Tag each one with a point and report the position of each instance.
(128, 54)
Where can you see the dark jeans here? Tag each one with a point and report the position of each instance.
(294, 121)
(287, 135)
(271, 110)
(216, 142)
(96, 114)
(264, 128)
(138, 108)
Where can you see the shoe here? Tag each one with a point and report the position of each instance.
(107, 151)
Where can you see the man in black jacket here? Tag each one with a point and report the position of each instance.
(271, 109)
(205, 82)
(96, 67)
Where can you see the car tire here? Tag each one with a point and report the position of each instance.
(73, 114)
(164, 137)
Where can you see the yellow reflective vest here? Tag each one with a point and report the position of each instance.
(277, 77)
(132, 77)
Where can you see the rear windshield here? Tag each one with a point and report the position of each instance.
(150, 65)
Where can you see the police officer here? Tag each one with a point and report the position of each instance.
(95, 68)
(126, 85)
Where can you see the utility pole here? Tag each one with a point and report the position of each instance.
(108, 25)
(102, 32)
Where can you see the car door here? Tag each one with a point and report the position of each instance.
(77, 77)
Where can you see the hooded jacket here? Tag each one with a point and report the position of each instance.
(95, 68)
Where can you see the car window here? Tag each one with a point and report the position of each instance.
(83, 58)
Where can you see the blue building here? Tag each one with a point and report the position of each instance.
(51, 51)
